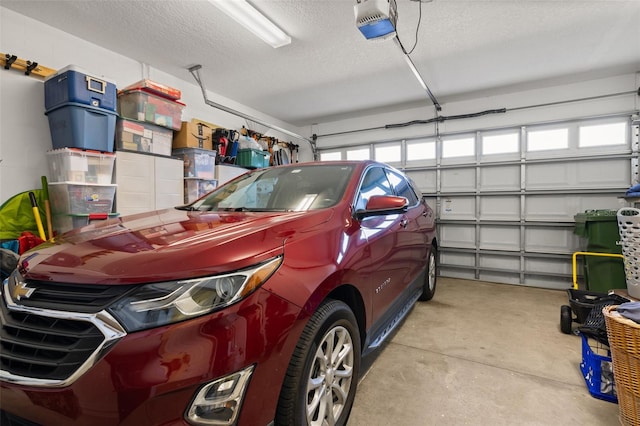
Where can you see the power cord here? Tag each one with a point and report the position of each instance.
(417, 28)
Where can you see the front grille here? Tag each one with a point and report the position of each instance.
(73, 297)
(33, 345)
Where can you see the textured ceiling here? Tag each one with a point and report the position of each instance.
(464, 48)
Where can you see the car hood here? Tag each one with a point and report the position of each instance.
(166, 245)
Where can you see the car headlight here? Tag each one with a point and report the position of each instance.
(157, 304)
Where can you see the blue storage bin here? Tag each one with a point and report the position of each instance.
(75, 125)
(71, 84)
(597, 370)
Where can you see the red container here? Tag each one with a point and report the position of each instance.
(156, 88)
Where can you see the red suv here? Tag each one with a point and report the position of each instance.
(250, 306)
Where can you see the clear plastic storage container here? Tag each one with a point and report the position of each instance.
(195, 188)
(198, 163)
(143, 137)
(81, 198)
(76, 165)
(144, 106)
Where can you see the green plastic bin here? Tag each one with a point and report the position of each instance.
(600, 229)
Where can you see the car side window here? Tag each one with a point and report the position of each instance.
(375, 182)
(402, 187)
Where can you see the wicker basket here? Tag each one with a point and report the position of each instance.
(624, 341)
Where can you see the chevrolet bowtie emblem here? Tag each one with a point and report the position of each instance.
(20, 290)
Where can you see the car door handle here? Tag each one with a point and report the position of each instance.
(404, 223)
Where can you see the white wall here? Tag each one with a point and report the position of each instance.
(24, 129)
(512, 100)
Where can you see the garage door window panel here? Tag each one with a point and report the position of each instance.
(459, 147)
(605, 134)
(359, 154)
(547, 139)
(500, 144)
(331, 156)
(421, 151)
(388, 153)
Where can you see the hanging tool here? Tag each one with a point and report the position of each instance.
(293, 148)
(36, 215)
(47, 206)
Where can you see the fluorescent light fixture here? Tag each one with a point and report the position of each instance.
(247, 16)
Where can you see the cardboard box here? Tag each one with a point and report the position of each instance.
(194, 134)
(212, 126)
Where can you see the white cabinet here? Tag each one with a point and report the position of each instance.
(226, 172)
(147, 182)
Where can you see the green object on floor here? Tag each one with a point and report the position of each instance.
(16, 215)
(600, 228)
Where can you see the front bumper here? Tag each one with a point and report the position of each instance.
(151, 377)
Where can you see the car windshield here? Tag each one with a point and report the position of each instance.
(293, 188)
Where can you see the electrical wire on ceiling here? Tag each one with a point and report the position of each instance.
(443, 118)
(415, 43)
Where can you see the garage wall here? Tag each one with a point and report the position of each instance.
(24, 129)
(509, 217)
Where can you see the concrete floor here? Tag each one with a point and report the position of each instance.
(480, 354)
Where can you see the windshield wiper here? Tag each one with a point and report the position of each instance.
(187, 208)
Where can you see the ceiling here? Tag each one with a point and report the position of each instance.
(464, 48)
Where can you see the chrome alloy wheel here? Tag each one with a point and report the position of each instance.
(432, 272)
(330, 377)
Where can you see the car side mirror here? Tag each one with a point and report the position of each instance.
(379, 205)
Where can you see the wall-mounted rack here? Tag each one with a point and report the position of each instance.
(8, 61)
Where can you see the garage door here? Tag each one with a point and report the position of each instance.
(506, 198)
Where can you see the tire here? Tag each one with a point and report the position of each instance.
(431, 276)
(304, 400)
(566, 319)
